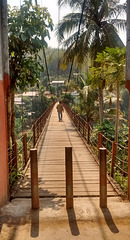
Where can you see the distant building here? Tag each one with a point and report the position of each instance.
(18, 100)
(55, 83)
(18, 97)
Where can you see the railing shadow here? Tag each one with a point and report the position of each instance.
(73, 222)
(109, 220)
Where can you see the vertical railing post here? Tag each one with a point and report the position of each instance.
(69, 177)
(88, 137)
(83, 128)
(34, 135)
(25, 148)
(113, 158)
(79, 123)
(41, 122)
(75, 119)
(103, 178)
(40, 128)
(37, 129)
(100, 140)
(34, 179)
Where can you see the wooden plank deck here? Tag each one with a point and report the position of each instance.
(51, 163)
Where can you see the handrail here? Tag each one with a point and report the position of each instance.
(19, 152)
(117, 155)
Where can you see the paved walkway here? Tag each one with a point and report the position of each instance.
(51, 163)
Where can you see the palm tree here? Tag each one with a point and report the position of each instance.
(86, 97)
(115, 75)
(100, 18)
(112, 72)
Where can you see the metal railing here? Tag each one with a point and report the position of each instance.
(117, 155)
(19, 152)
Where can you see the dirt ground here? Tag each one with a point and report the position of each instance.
(86, 221)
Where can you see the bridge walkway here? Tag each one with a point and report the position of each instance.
(51, 163)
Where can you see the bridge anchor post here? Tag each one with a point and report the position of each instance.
(34, 179)
(103, 178)
(69, 177)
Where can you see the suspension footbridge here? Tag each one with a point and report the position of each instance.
(51, 163)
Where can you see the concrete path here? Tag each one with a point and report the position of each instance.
(52, 222)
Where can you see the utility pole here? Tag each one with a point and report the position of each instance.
(128, 85)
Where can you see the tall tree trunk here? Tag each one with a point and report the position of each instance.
(9, 115)
(12, 118)
(117, 111)
(100, 93)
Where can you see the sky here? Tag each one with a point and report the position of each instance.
(53, 10)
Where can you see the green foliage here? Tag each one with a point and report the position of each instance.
(122, 181)
(18, 125)
(39, 105)
(107, 129)
(30, 109)
(14, 175)
(111, 67)
(123, 134)
(124, 102)
(99, 22)
(68, 99)
(112, 62)
(90, 108)
(28, 27)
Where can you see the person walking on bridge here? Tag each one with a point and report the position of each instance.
(60, 109)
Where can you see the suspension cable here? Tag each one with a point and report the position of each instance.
(83, 6)
(44, 54)
(58, 40)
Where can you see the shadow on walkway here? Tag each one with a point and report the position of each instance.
(73, 222)
(109, 220)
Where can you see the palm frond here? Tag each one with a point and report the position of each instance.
(103, 11)
(68, 24)
(119, 23)
(71, 3)
(111, 37)
(117, 10)
(98, 29)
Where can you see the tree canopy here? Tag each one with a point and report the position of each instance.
(28, 28)
(98, 28)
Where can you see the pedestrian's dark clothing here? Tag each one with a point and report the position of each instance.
(60, 109)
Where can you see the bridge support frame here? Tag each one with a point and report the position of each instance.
(103, 178)
(114, 148)
(25, 148)
(69, 177)
(34, 179)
